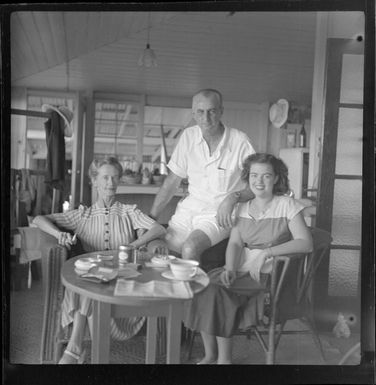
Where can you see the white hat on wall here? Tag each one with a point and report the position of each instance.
(278, 113)
(65, 113)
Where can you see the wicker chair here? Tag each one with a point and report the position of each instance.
(287, 301)
(53, 336)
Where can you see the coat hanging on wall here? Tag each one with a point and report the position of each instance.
(55, 164)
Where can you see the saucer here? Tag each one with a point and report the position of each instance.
(80, 271)
(84, 264)
(102, 274)
(168, 274)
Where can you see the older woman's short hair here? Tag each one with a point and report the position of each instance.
(280, 169)
(96, 164)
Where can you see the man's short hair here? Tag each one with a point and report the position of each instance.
(208, 92)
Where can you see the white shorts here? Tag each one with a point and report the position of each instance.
(192, 215)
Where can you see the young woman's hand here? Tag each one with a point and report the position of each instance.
(228, 277)
(259, 263)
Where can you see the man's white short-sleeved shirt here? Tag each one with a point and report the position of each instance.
(210, 177)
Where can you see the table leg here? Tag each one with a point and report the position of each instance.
(100, 345)
(174, 320)
(151, 340)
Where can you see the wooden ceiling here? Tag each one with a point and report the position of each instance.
(249, 56)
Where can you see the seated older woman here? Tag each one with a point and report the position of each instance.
(271, 224)
(105, 225)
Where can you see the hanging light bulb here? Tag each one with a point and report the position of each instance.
(148, 58)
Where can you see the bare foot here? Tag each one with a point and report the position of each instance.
(224, 363)
(70, 358)
(207, 361)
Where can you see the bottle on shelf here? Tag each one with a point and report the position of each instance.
(302, 137)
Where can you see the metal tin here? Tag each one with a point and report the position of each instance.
(126, 253)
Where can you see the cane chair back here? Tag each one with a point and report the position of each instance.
(289, 302)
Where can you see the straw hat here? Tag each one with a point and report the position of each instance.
(65, 113)
(278, 113)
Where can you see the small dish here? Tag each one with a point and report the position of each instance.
(84, 264)
(162, 261)
(168, 274)
(102, 274)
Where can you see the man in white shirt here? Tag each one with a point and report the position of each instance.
(210, 155)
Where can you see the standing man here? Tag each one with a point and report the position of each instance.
(210, 155)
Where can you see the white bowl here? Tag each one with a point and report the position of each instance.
(84, 264)
(184, 268)
(162, 261)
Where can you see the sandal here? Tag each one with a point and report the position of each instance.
(70, 358)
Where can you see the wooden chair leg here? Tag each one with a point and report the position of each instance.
(270, 354)
(190, 341)
(316, 338)
(279, 334)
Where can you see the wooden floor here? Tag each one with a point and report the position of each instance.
(26, 309)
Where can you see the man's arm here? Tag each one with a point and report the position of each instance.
(227, 206)
(164, 195)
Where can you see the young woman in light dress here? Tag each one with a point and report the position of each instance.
(269, 225)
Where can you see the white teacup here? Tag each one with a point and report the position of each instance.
(184, 269)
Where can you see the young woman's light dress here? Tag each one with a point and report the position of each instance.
(219, 310)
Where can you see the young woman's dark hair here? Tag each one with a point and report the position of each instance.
(280, 169)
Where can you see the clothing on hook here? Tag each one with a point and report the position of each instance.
(55, 165)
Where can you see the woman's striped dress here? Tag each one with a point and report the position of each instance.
(101, 228)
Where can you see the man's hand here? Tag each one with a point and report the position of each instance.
(225, 211)
(227, 206)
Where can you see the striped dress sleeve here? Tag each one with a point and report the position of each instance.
(139, 219)
(68, 220)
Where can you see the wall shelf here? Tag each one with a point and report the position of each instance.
(143, 189)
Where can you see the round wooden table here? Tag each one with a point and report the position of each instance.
(106, 305)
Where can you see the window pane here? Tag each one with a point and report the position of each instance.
(352, 79)
(343, 272)
(349, 143)
(116, 119)
(172, 120)
(347, 212)
(116, 126)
